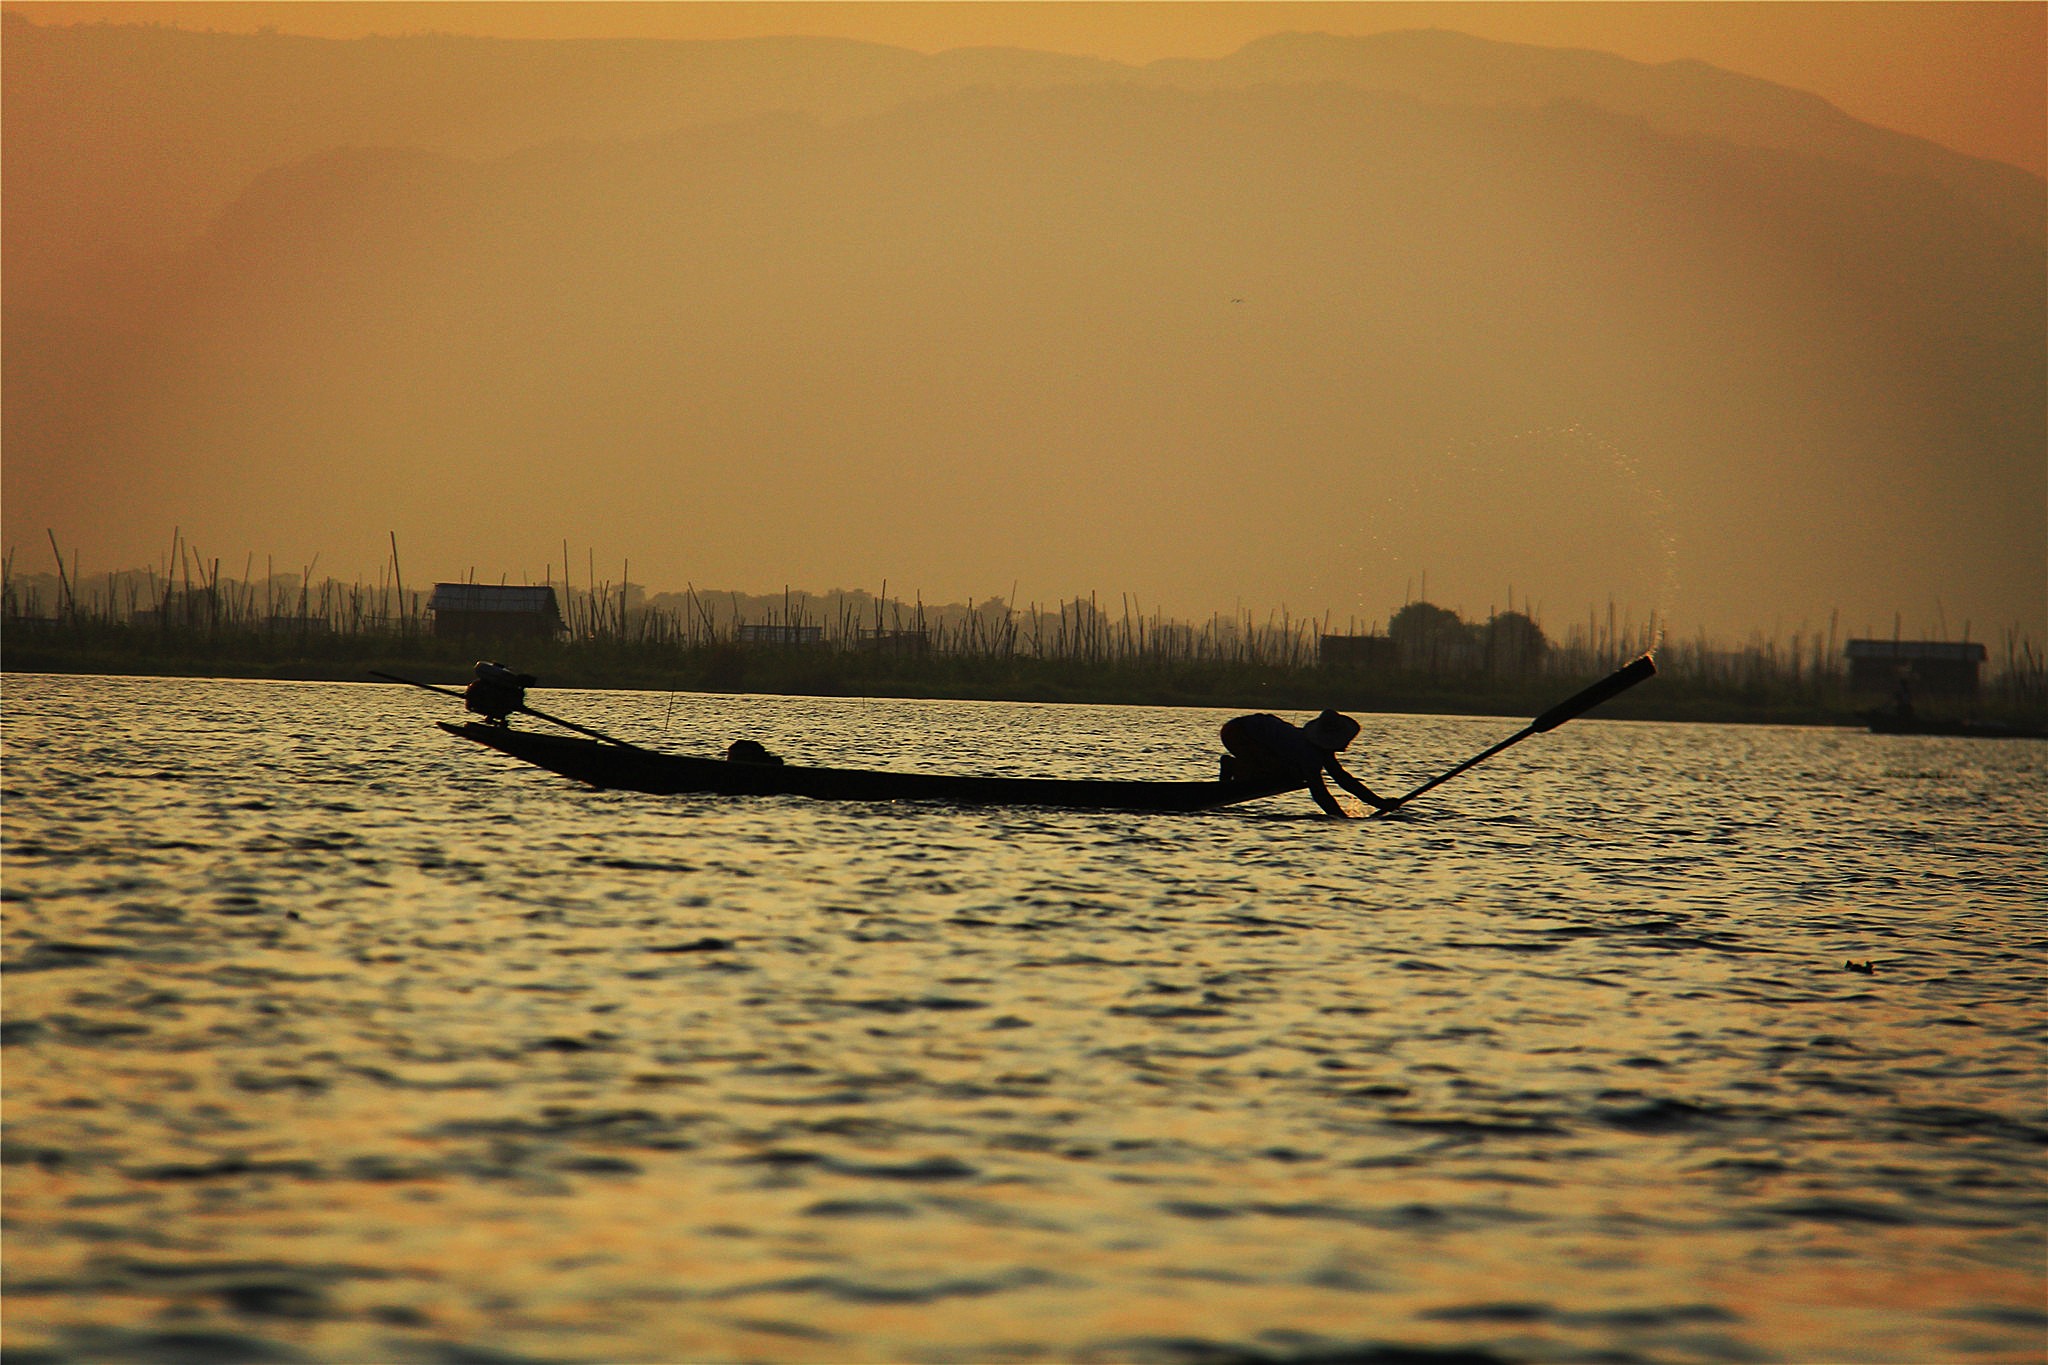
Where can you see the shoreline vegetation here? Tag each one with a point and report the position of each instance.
(1426, 661)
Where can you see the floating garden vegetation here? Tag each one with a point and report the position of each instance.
(194, 620)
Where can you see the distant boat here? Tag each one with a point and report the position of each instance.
(1896, 723)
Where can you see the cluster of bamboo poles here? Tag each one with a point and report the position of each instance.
(189, 593)
(190, 598)
(1079, 629)
(189, 602)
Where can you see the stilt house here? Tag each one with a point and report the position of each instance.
(1925, 667)
(488, 611)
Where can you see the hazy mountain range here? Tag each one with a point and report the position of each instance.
(1296, 326)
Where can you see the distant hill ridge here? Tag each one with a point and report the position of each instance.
(1686, 96)
(130, 138)
(806, 310)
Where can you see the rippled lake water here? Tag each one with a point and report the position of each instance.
(332, 1038)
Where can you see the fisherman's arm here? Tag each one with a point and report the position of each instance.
(1323, 798)
(1357, 788)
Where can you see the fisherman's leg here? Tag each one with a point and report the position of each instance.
(1237, 767)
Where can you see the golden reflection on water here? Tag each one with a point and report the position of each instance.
(569, 1076)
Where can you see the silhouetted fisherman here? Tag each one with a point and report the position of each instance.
(1263, 746)
(497, 692)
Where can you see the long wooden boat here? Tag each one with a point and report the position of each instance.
(627, 767)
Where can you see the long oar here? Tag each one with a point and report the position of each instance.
(1570, 708)
(540, 715)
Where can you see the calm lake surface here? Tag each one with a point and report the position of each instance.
(332, 1038)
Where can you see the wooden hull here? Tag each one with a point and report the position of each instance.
(627, 768)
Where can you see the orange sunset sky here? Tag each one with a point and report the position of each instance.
(1225, 333)
(1967, 75)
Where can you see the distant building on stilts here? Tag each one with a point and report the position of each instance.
(1933, 668)
(488, 611)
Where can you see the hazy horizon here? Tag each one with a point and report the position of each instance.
(727, 603)
(1303, 326)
